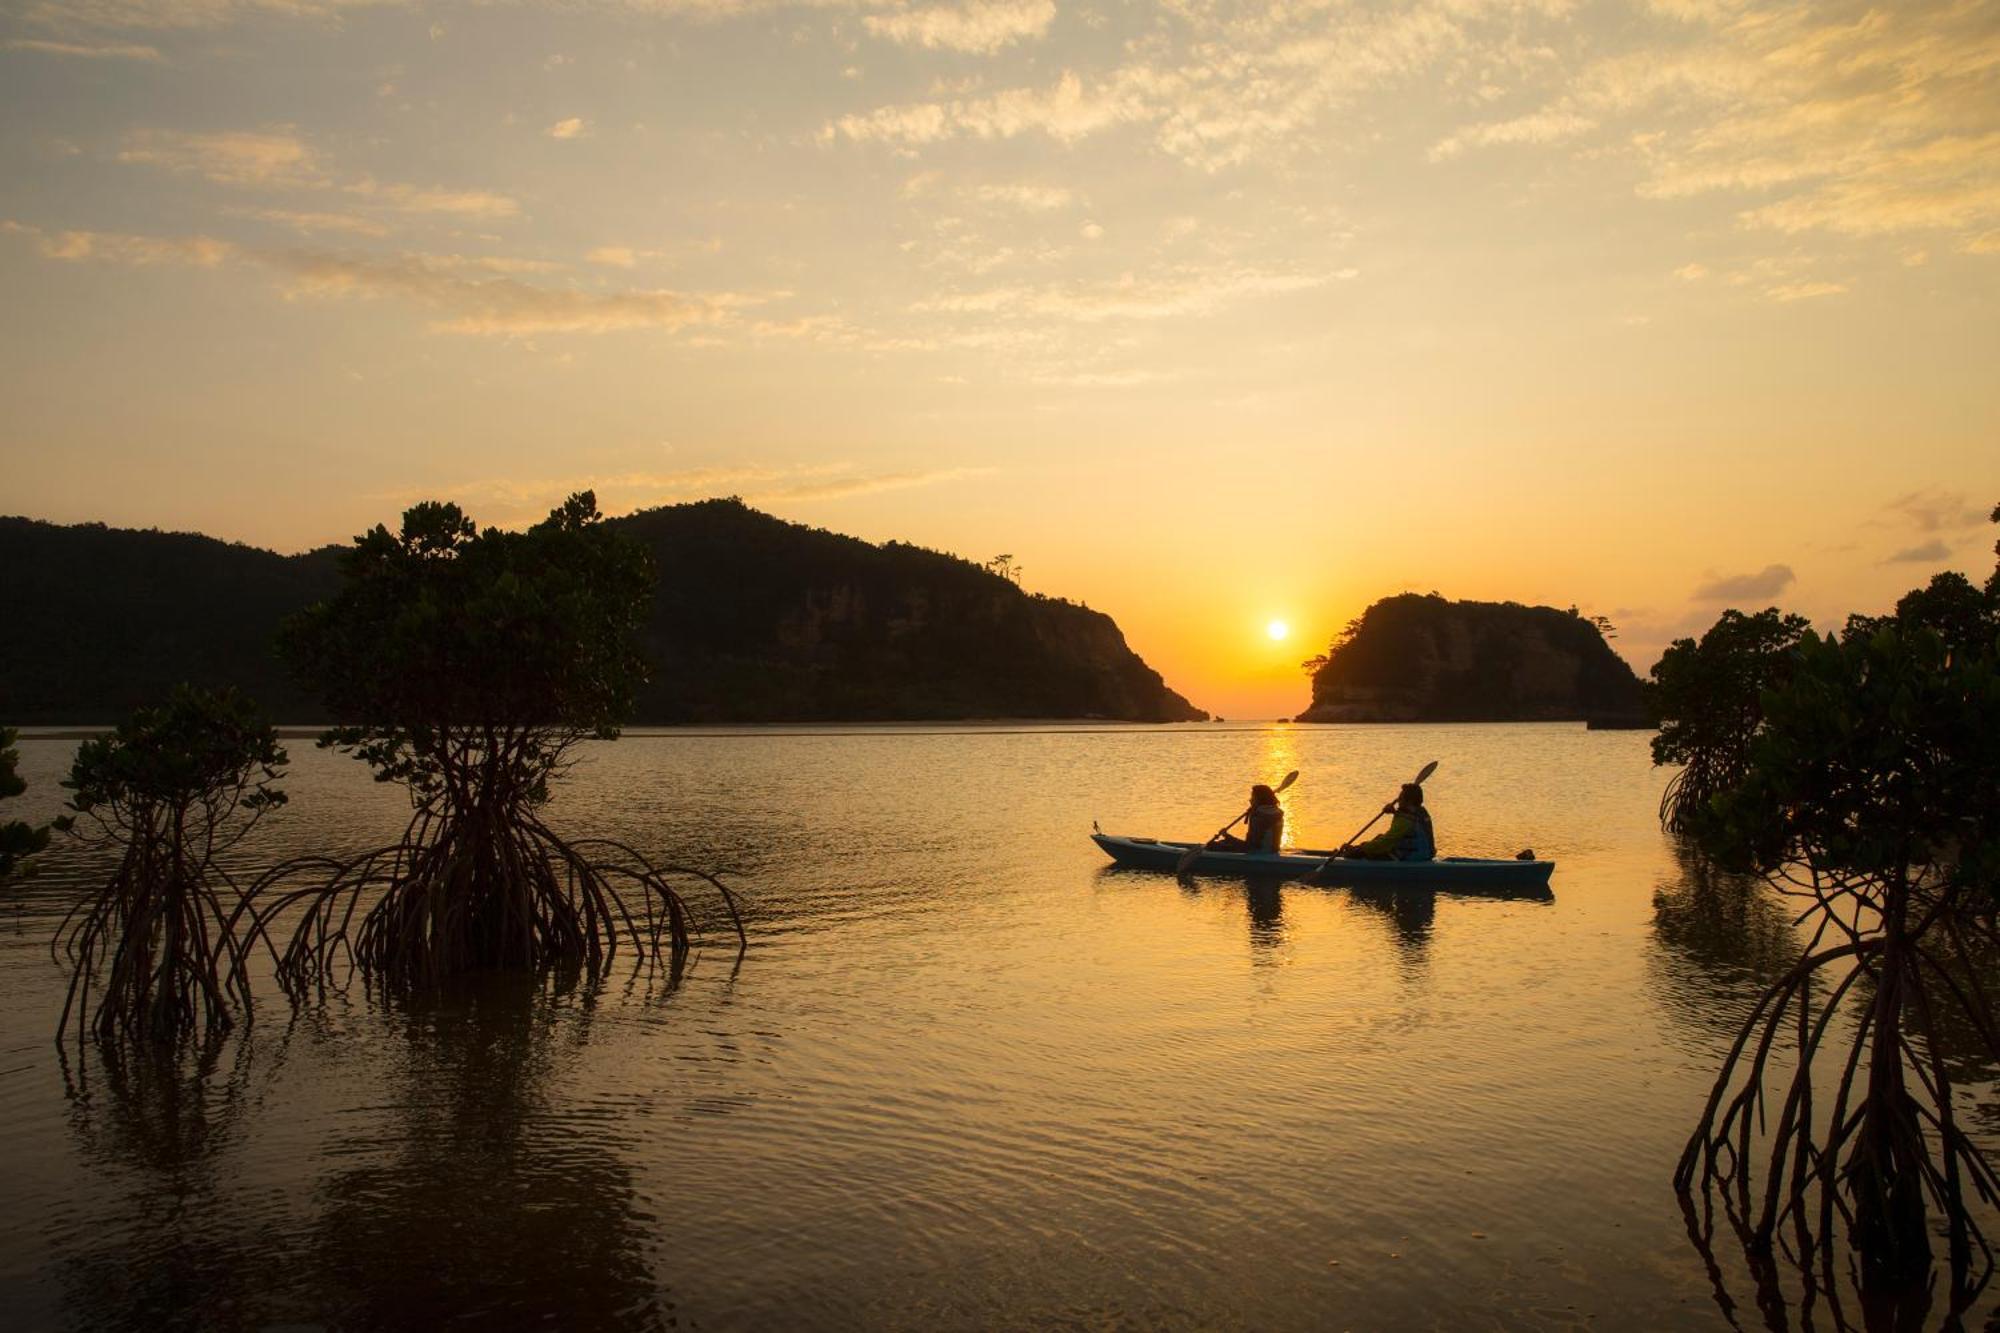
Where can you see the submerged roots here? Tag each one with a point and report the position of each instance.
(156, 955)
(465, 892)
(1862, 1140)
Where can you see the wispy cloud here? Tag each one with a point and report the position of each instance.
(1804, 291)
(169, 14)
(982, 26)
(277, 158)
(265, 158)
(1936, 511)
(570, 127)
(123, 248)
(1821, 119)
(510, 500)
(1766, 582)
(1923, 552)
(87, 50)
(1159, 295)
(1027, 197)
(475, 204)
(465, 294)
(1539, 127)
(309, 222)
(467, 302)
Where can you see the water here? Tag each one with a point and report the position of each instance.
(965, 1076)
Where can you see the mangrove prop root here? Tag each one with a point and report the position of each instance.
(1875, 1150)
(466, 891)
(158, 954)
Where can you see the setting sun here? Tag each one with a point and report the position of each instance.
(1278, 629)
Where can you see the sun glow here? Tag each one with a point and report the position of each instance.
(1278, 629)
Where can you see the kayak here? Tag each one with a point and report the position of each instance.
(1461, 874)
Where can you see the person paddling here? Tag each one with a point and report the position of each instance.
(1266, 828)
(1410, 836)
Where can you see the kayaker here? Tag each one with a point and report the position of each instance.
(1266, 830)
(1410, 836)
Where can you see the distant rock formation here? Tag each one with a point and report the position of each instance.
(1414, 658)
(756, 620)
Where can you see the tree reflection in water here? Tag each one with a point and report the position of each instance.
(488, 1207)
(179, 1257)
(1719, 940)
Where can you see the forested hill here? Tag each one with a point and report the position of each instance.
(1416, 658)
(756, 620)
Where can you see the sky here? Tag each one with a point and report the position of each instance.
(1208, 314)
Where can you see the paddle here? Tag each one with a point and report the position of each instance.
(1422, 774)
(1194, 852)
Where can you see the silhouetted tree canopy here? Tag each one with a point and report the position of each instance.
(443, 629)
(1861, 775)
(468, 663)
(162, 945)
(1708, 694)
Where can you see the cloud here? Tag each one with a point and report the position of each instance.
(1937, 511)
(264, 158)
(614, 256)
(434, 200)
(568, 128)
(1104, 379)
(507, 500)
(311, 222)
(1027, 198)
(1160, 295)
(1540, 127)
(122, 248)
(1065, 111)
(1766, 582)
(278, 159)
(1822, 119)
(466, 294)
(87, 50)
(1804, 291)
(168, 14)
(465, 300)
(1933, 549)
(983, 26)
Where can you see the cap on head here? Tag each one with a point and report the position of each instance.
(1411, 794)
(1263, 795)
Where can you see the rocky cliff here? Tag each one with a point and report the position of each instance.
(1417, 658)
(755, 620)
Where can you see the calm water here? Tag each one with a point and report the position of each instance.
(965, 1076)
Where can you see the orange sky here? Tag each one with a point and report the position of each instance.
(1208, 313)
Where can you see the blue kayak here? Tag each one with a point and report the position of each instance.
(1459, 874)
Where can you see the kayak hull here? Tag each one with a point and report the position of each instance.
(1460, 874)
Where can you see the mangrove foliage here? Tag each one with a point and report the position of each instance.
(468, 665)
(160, 951)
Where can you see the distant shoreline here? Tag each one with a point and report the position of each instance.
(1013, 726)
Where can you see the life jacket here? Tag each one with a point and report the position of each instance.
(1419, 841)
(1267, 828)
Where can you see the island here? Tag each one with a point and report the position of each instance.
(1425, 658)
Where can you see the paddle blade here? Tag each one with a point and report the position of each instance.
(1425, 772)
(1293, 776)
